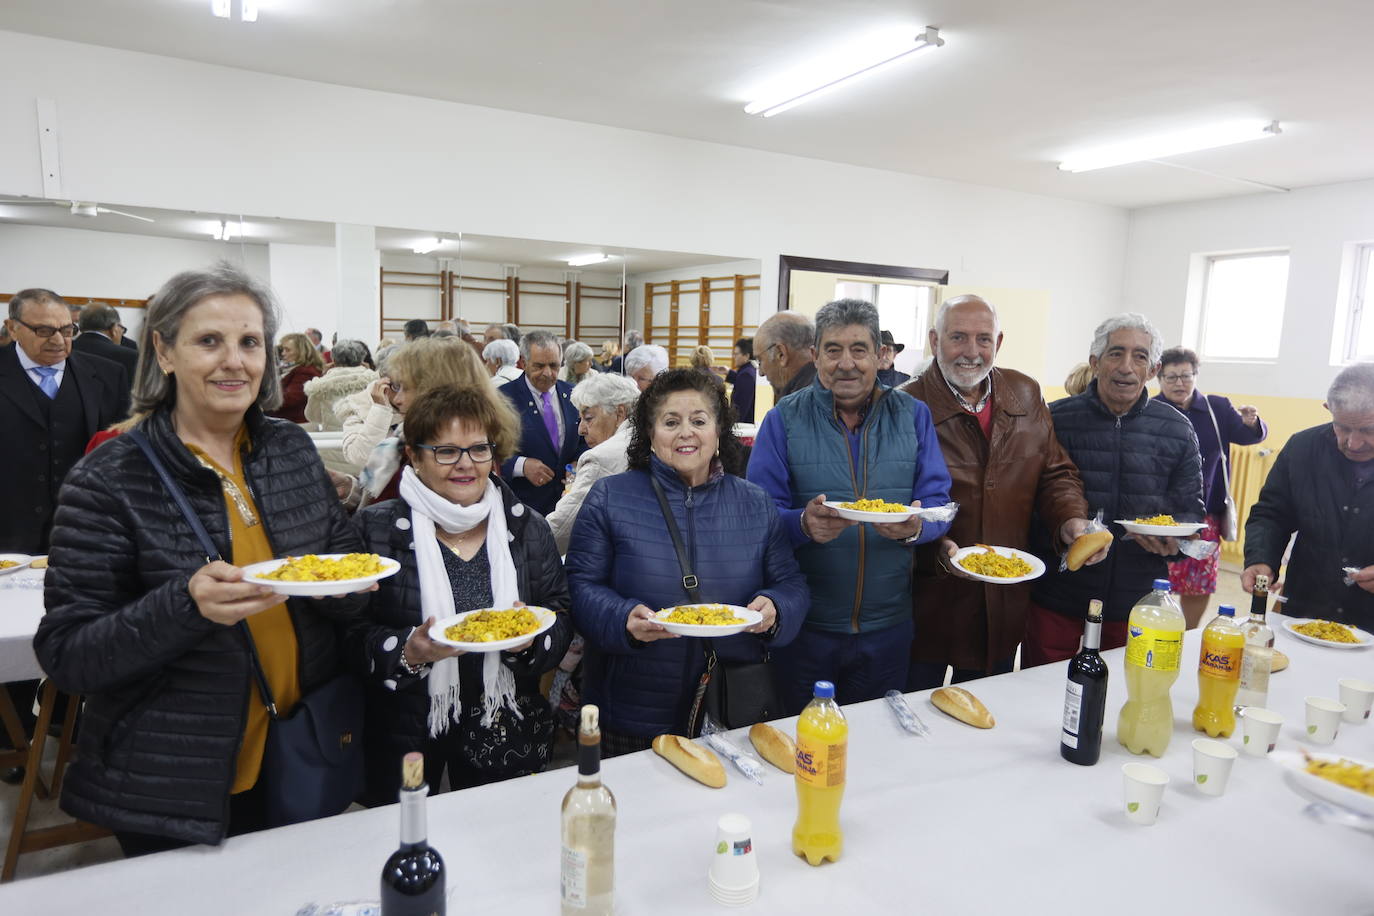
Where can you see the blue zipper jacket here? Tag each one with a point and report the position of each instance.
(622, 555)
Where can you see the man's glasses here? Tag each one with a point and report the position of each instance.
(1178, 379)
(450, 454)
(46, 330)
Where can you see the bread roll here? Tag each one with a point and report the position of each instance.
(962, 705)
(39, 563)
(1279, 663)
(775, 747)
(692, 759)
(1084, 546)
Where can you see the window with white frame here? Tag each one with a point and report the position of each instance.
(1242, 305)
(1359, 339)
(903, 309)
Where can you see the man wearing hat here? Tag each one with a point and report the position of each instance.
(887, 374)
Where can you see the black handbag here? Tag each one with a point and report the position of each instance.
(312, 765)
(732, 694)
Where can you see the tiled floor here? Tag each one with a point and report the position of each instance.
(46, 812)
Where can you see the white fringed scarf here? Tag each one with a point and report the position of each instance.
(427, 509)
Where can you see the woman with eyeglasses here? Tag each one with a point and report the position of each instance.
(1218, 426)
(464, 542)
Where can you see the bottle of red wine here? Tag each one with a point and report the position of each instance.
(413, 878)
(1085, 699)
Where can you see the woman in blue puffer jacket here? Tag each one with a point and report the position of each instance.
(622, 566)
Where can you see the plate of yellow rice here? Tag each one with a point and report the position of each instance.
(998, 565)
(872, 510)
(1335, 778)
(313, 575)
(491, 629)
(709, 620)
(1327, 633)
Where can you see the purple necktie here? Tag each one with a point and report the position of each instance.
(551, 421)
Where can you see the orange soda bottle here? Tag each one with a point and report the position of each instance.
(822, 745)
(1218, 674)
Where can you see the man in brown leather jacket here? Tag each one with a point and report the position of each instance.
(1006, 464)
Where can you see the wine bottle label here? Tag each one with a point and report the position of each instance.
(1218, 661)
(1073, 709)
(820, 765)
(1158, 650)
(1254, 669)
(574, 878)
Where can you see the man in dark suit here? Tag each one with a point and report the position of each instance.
(98, 328)
(51, 402)
(548, 424)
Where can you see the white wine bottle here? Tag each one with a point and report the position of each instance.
(1257, 659)
(588, 867)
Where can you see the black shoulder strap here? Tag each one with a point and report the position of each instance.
(689, 579)
(211, 554)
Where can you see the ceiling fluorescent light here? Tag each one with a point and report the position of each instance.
(587, 259)
(223, 231)
(426, 246)
(220, 8)
(832, 73)
(1159, 147)
(248, 11)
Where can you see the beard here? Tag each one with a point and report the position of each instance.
(964, 378)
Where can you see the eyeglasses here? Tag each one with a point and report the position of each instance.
(397, 388)
(451, 454)
(1178, 379)
(46, 330)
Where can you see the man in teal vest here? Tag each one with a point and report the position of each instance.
(848, 437)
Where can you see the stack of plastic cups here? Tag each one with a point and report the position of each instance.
(734, 872)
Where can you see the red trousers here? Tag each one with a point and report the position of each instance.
(1052, 637)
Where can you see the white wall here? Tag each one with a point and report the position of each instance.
(243, 142)
(84, 262)
(303, 277)
(1314, 224)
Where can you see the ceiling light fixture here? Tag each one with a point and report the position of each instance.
(223, 230)
(248, 10)
(1163, 145)
(584, 260)
(220, 8)
(426, 246)
(840, 68)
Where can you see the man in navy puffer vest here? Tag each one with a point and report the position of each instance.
(847, 437)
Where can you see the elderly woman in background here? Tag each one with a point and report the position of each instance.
(703, 359)
(300, 362)
(500, 357)
(577, 362)
(604, 403)
(349, 375)
(644, 363)
(464, 542)
(1218, 426)
(610, 350)
(142, 625)
(622, 566)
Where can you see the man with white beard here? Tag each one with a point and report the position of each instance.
(1008, 471)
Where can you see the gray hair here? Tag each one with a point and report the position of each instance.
(512, 331)
(152, 389)
(37, 296)
(942, 315)
(791, 328)
(501, 351)
(605, 391)
(651, 355)
(1353, 389)
(538, 339)
(843, 313)
(577, 352)
(349, 353)
(380, 358)
(98, 318)
(633, 339)
(1128, 321)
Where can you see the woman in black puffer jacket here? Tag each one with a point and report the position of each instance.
(141, 624)
(464, 542)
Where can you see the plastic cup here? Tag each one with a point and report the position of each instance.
(1323, 719)
(1212, 761)
(1260, 728)
(1358, 697)
(1144, 790)
(734, 873)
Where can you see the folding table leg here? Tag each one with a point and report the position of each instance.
(29, 788)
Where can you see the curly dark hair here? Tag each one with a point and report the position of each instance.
(671, 382)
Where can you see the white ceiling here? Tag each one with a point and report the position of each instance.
(1019, 85)
(257, 230)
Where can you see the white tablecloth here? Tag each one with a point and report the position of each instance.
(21, 607)
(968, 821)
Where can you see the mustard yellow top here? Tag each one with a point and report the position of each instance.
(272, 631)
